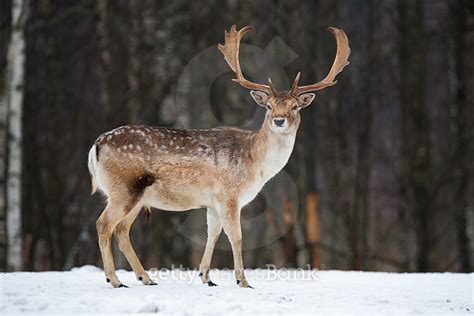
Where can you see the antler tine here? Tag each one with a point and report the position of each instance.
(272, 87)
(294, 86)
(340, 61)
(230, 50)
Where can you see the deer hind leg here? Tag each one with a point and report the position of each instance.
(121, 203)
(110, 217)
(230, 219)
(122, 235)
(214, 229)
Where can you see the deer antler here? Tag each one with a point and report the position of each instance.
(341, 60)
(230, 50)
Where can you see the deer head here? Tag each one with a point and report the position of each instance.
(283, 107)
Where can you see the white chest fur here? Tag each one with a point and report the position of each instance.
(276, 156)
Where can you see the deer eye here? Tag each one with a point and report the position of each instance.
(268, 107)
(295, 108)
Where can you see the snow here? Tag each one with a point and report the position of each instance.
(83, 290)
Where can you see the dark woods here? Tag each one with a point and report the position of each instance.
(384, 161)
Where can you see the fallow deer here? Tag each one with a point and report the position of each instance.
(221, 169)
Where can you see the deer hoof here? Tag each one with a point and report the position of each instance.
(123, 285)
(115, 283)
(244, 284)
(146, 280)
(210, 283)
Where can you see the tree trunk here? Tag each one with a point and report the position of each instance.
(416, 175)
(105, 58)
(461, 130)
(288, 240)
(313, 228)
(311, 203)
(4, 85)
(3, 162)
(14, 96)
(133, 71)
(364, 143)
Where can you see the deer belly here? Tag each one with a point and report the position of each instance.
(174, 197)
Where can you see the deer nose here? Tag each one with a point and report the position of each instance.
(279, 122)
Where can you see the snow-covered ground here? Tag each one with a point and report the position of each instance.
(83, 290)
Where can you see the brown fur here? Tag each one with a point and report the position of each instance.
(177, 170)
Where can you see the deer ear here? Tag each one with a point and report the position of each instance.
(260, 97)
(305, 99)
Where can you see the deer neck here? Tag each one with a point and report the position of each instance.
(275, 150)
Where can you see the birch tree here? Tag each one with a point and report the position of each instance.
(5, 15)
(3, 161)
(12, 100)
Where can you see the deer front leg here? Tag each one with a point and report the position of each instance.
(122, 235)
(105, 224)
(214, 229)
(230, 219)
